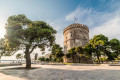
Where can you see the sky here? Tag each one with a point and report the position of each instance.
(101, 16)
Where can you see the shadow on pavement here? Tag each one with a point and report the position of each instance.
(59, 74)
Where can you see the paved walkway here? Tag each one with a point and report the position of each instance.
(63, 72)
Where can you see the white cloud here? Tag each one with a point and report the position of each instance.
(107, 23)
(110, 28)
(79, 12)
(83, 15)
(55, 26)
(58, 27)
(59, 39)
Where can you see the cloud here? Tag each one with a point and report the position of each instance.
(84, 16)
(107, 23)
(79, 12)
(59, 39)
(55, 26)
(110, 28)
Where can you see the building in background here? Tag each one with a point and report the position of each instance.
(75, 35)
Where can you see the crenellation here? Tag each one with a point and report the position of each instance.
(76, 26)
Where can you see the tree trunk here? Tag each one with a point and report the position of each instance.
(79, 59)
(98, 56)
(73, 59)
(98, 59)
(0, 59)
(59, 60)
(28, 59)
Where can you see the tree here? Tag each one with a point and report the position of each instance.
(50, 57)
(32, 34)
(47, 59)
(88, 50)
(19, 56)
(36, 56)
(115, 45)
(113, 49)
(98, 43)
(57, 52)
(42, 59)
(79, 51)
(55, 47)
(3, 51)
(72, 52)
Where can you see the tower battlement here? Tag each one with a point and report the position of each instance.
(76, 25)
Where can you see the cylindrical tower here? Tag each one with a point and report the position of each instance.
(75, 35)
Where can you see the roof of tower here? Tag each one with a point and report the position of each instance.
(76, 25)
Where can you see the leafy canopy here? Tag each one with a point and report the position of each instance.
(22, 31)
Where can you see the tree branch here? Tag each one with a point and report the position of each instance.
(33, 48)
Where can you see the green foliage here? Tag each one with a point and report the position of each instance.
(55, 47)
(79, 50)
(68, 55)
(19, 56)
(57, 52)
(99, 40)
(103, 59)
(47, 59)
(32, 34)
(113, 49)
(50, 57)
(72, 53)
(112, 55)
(24, 56)
(21, 30)
(98, 43)
(2, 48)
(3, 51)
(88, 49)
(42, 59)
(54, 60)
(115, 45)
(97, 46)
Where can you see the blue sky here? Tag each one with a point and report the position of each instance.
(101, 16)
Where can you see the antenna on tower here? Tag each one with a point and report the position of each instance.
(75, 19)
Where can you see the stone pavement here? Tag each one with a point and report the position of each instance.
(63, 72)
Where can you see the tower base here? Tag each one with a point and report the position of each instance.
(78, 59)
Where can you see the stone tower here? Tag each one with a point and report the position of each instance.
(75, 35)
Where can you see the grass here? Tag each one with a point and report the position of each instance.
(68, 63)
